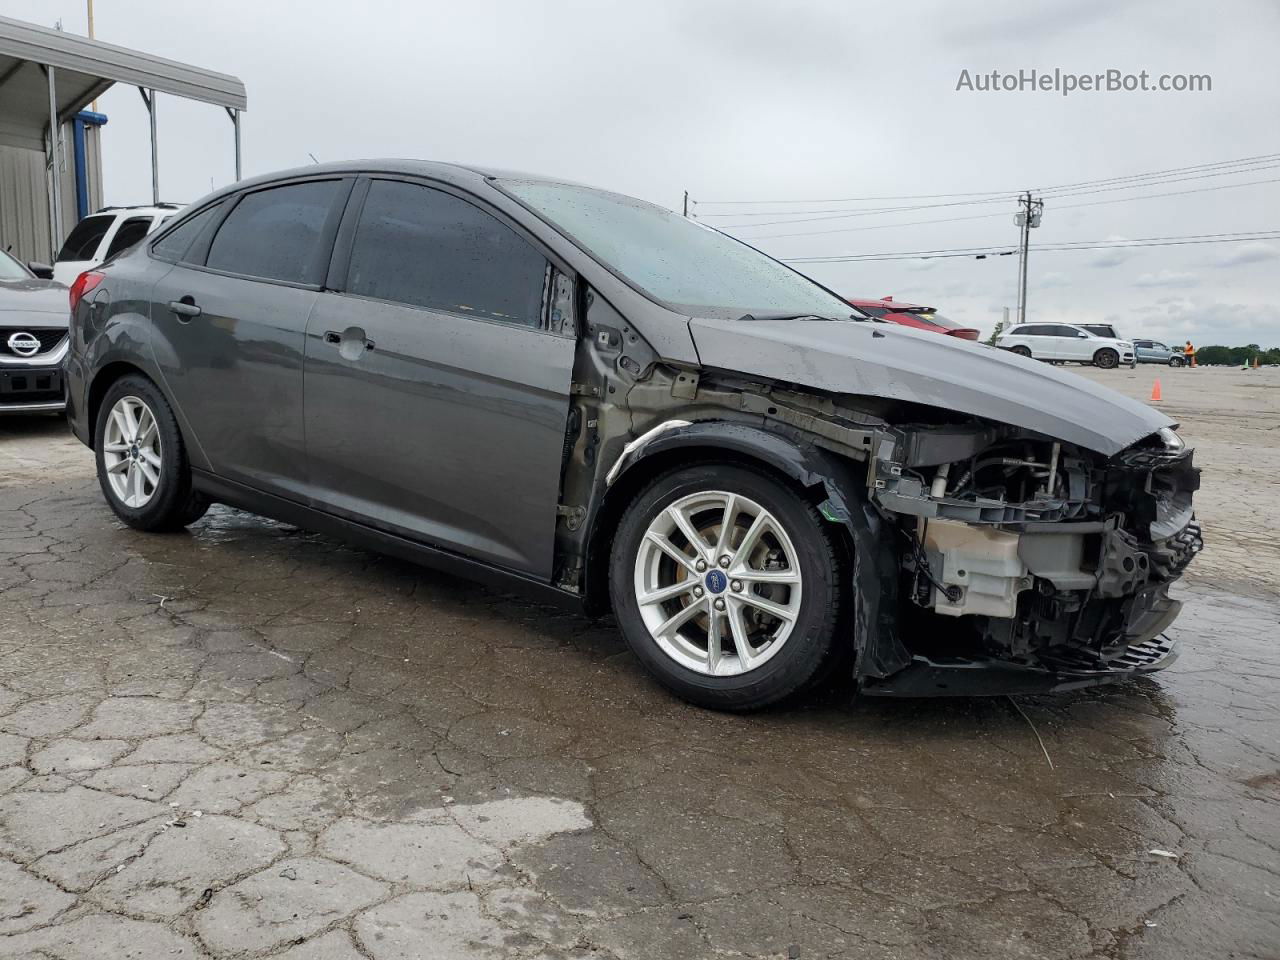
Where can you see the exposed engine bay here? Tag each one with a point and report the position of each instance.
(1054, 556)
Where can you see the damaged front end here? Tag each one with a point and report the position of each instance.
(1031, 565)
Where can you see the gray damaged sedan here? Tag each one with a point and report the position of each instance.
(568, 391)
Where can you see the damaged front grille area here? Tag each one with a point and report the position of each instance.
(1040, 553)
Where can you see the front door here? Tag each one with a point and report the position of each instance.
(230, 320)
(436, 397)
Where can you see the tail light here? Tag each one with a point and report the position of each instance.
(84, 284)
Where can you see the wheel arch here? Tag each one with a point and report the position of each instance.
(832, 483)
(100, 384)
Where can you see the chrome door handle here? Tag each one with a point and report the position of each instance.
(185, 307)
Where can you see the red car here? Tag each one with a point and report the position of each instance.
(912, 315)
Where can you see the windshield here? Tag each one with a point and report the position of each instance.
(11, 269)
(679, 263)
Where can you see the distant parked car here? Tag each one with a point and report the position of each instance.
(1153, 351)
(106, 233)
(33, 338)
(1066, 342)
(913, 315)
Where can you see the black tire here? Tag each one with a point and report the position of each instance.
(173, 504)
(1106, 359)
(808, 653)
(1020, 350)
(1176, 361)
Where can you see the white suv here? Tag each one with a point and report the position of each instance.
(104, 234)
(1062, 342)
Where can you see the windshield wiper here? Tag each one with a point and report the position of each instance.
(792, 316)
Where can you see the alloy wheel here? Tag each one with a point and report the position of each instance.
(131, 452)
(718, 583)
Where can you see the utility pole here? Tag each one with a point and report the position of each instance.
(1029, 213)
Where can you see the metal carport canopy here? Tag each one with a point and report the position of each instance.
(45, 72)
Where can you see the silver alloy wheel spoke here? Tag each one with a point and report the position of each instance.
(662, 594)
(737, 611)
(671, 550)
(773, 609)
(741, 641)
(131, 452)
(683, 524)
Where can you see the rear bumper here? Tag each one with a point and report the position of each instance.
(77, 395)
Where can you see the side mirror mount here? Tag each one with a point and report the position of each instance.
(41, 270)
(1081, 335)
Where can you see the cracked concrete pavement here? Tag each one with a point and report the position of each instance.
(250, 741)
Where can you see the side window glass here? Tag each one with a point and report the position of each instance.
(129, 233)
(174, 244)
(84, 239)
(428, 248)
(275, 233)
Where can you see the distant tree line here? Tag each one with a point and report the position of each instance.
(1237, 356)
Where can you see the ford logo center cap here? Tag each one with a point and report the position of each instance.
(24, 344)
(717, 581)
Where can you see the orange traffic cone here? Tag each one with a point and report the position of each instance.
(1155, 391)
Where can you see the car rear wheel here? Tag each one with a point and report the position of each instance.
(142, 463)
(1021, 350)
(1107, 359)
(726, 585)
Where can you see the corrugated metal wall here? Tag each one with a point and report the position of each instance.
(24, 194)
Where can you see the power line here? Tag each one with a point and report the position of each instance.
(876, 226)
(1060, 247)
(1055, 207)
(1194, 168)
(833, 215)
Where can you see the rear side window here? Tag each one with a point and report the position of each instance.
(876, 312)
(129, 233)
(275, 233)
(84, 239)
(428, 248)
(174, 244)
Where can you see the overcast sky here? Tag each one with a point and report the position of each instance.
(746, 99)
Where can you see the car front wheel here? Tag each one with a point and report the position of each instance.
(1107, 359)
(141, 460)
(726, 585)
(1176, 361)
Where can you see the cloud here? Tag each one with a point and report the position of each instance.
(1255, 251)
(1053, 279)
(1114, 257)
(1167, 278)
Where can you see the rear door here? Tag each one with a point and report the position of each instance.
(1034, 337)
(1072, 343)
(436, 394)
(229, 322)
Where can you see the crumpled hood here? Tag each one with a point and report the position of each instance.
(19, 299)
(883, 360)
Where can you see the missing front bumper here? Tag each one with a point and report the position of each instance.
(979, 677)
